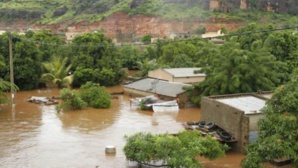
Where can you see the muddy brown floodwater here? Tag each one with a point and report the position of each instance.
(36, 136)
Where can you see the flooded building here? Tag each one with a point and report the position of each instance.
(163, 89)
(236, 113)
(182, 75)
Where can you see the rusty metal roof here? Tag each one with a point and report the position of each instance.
(156, 86)
(248, 104)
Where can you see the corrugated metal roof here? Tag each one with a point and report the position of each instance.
(248, 104)
(171, 89)
(184, 72)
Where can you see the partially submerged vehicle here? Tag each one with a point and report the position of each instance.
(168, 106)
(42, 100)
(154, 103)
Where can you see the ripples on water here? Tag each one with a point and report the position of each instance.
(35, 135)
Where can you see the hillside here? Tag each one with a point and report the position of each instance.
(159, 18)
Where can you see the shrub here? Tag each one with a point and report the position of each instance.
(171, 151)
(70, 100)
(95, 95)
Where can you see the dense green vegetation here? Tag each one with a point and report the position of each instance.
(41, 58)
(89, 95)
(172, 151)
(243, 63)
(57, 72)
(4, 86)
(95, 95)
(71, 100)
(247, 62)
(57, 11)
(96, 59)
(278, 130)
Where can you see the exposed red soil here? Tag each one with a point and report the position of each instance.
(138, 25)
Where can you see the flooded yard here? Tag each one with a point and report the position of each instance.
(35, 135)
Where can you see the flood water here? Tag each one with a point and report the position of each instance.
(36, 136)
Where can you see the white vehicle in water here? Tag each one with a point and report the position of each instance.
(156, 104)
(167, 106)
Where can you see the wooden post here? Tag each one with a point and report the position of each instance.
(11, 68)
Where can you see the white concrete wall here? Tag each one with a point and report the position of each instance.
(253, 121)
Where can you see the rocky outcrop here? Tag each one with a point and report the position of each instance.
(280, 6)
(122, 25)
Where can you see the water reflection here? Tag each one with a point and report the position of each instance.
(35, 135)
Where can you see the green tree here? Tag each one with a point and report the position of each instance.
(200, 30)
(235, 70)
(47, 43)
(3, 66)
(131, 57)
(57, 72)
(146, 39)
(154, 52)
(148, 66)
(172, 151)
(176, 49)
(249, 37)
(100, 55)
(285, 49)
(95, 95)
(4, 86)
(278, 130)
(83, 75)
(181, 61)
(71, 100)
(26, 61)
(206, 51)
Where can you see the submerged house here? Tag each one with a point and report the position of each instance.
(236, 113)
(183, 75)
(163, 89)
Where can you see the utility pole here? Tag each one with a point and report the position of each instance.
(11, 68)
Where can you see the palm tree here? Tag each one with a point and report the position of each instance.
(5, 85)
(57, 72)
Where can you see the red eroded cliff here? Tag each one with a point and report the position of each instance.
(141, 25)
(138, 25)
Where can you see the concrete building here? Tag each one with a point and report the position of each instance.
(176, 35)
(212, 35)
(163, 89)
(182, 75)
(236, 113)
